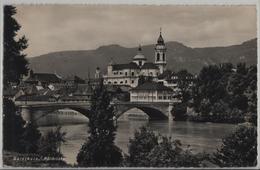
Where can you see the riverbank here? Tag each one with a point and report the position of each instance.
(182, 112)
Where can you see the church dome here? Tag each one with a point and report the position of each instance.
(139, 55)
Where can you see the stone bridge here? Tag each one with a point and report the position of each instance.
(155, 110)
(34, 110)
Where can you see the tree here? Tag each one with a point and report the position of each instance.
(238, 149)
(209, 83)
(150, 150)
(99, 149)
(50, 143)
(15, 64)
(222, 92)
(170, 154)
(179, 111)
(30, 138)
(12, 126)
(184, 84)
(139, 147)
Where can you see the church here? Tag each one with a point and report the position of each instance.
(128, 74)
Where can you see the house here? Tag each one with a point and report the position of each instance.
(42, 79)
(151, 92)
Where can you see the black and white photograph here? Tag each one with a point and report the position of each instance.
(99, 85)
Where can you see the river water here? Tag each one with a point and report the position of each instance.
(200, 136)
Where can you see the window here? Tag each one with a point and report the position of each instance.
(164, 97)
(133, 73)
(120, 73)
(132, 81)
(163, 57)
(158, 57)
(160, 97)
(109, 82)
(140, 63)
(126, 82)
(121, 82)
(125, 73)
(151, 73)
(115, 82)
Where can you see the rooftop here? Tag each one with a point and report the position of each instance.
(44, 77)
(149, 66)
(125, 66)
(35, 98)
(153, 86)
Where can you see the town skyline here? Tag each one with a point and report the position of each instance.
(82, 28)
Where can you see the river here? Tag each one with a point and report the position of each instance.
(200, 136)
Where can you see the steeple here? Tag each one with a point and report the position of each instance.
(139, 48)
(160, 40)
(160, 53)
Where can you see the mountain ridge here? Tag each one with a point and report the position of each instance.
(179, 56)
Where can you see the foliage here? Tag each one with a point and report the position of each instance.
(170, 154)
(30, 138)
(183, 82)
(99, 149)
(50, 143)
(139, 147)
(150, 150)
(15, 64)
(179, 111)
(224, 93)
(239, 149)
(12, 126)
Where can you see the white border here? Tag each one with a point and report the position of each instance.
(133, 2)
(136, 2)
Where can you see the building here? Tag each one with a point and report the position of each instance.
(42, 79)
(128, 74)
(174, 80)
(151, 92)
(72, 80)
(160, 54)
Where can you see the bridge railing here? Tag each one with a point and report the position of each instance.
(23, 103)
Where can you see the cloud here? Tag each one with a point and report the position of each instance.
(81, 27)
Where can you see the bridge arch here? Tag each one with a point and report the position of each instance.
(33, 114)
(152, 112)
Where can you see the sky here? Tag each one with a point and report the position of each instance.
(51, 28)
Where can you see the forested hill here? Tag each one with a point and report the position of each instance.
(179, 56)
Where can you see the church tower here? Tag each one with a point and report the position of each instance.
(160, 53)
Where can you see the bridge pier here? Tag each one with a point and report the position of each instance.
(170, 117)
(26, 114)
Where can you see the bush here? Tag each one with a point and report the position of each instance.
(50, 143)
(146, 151)
(238, 149)
(170, 154)
(139, 147)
